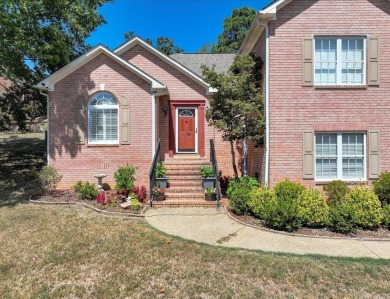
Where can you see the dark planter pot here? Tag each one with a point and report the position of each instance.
(208, 183)
(160, 197)
(161, 182)
(211, 197)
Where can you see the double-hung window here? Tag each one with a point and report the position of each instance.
(103, 119)
(340, 61)
(340, 156)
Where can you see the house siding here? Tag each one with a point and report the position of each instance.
(294, 108)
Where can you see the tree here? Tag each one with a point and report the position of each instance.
(237, 108)
(164, 44)
(234, 30)
(36, 39)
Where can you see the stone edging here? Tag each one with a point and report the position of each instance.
(304, 236)
(81, 204)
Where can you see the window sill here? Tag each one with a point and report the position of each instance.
(340, 86)
(357, 182)
(102, 145)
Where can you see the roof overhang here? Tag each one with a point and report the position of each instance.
(138, 41)
(49, 82)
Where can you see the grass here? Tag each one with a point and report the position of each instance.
(65, 252)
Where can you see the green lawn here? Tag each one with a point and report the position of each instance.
(65, 252)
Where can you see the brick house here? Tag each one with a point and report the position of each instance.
(326, 89)
(108, 108)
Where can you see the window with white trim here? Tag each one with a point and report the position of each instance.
(340, 61)
(340, 156)
(103, 120)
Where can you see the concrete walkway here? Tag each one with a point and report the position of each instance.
(213, 226)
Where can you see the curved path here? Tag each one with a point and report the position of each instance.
(213, 226)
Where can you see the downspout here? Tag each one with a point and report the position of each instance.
(47, 129)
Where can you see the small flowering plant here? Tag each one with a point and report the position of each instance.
(210, 191)
(158, 191)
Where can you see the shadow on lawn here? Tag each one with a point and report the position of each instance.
(21, 156)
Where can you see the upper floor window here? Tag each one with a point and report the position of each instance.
(103, 119)
(340, 61)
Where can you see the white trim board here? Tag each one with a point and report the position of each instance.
(138, 41)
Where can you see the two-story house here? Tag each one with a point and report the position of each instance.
(326, 89)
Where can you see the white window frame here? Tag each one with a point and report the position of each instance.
(101, 107)
(340, 157)
(339, 49)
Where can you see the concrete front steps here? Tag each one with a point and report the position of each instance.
(185, 182)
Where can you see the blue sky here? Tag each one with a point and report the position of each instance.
(191, 23)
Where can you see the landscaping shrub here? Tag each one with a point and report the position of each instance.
(124, 178)
(238, 200)
(341, 217)
(312, 208)
(85, 190)
(141, 193)
(48, 178)
(288, 191)
(366, 207)
(386, 215)
(207, 172)
(336, 191)
(259, 197)
(382, 187)
(242, 182)
(282, 214)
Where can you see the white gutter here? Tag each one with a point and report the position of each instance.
(47, 129)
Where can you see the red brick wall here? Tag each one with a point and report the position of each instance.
(295, 108)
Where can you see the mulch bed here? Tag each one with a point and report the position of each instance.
(380, 233)
(69, 196)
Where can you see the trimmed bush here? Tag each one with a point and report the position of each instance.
(259, 197)
(336, 191)
(86, 190)
(366, 207)
(341, 217)
(312, 208)
(386, 215)
(288, 191)
(382, 187)
(238, 200)
(242, 182)
(48, 178)
(124, 178)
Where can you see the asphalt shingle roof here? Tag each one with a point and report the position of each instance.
(194, 62)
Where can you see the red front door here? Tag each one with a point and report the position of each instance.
(186, 129)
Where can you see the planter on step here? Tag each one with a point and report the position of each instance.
(211, 197)
(159, 197)
(161, 182)
(208, 183)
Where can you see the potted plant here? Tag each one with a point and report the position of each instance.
(159, 174)
(208, 176)
(158, 193)
(210, 193)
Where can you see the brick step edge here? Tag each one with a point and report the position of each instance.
(186, 162)
(193, 203)
(182, 177)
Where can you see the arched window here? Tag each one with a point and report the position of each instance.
(103, 119)
(186, 113)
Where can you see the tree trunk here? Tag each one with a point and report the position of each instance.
(233, 159)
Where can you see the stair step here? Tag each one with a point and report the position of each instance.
(185, 183)
(187, 203)
(185, 196)
(187, 162)
(185, 189)
(191, 172)
(173, 167)
(180, 177)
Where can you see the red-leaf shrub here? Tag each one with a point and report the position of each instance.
(141, 193)
(101, 198)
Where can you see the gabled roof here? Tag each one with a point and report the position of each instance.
(138, 41)
(194, 61)
(49, 82)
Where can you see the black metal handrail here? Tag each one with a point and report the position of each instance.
(213, 160)
(156, 159)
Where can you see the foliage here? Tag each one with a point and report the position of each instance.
(164, 44)
(234, 30)
(38, 38)
(124, 178)
(85, 190)
(238, 200)
(135, 205)
(157, 191)
(282, 213)
(259, 197)
(341, 217)
(101, 198)
(312, 208)
(48, 178)
(386, 215)
(367, 210)
(237, 108)
(207, 172)
(288, 191)
(141, 193)
(210, 191)
(160, 170)
(336, 190)
(382, 187)
(242, 182)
